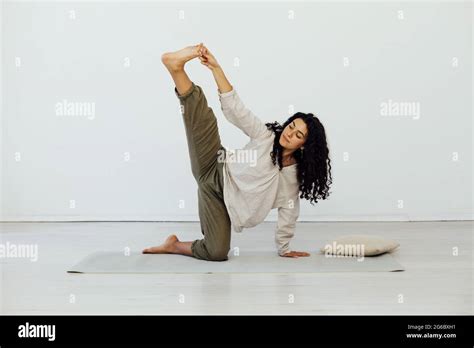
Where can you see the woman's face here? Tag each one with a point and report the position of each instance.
(294, 134)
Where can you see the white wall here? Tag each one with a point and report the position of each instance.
(283, 62)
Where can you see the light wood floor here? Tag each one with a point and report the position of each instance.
(435, 280)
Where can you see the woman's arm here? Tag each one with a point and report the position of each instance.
(240, 116)
(221, 80)
(286, 229)
(231, 104)
(208, 59)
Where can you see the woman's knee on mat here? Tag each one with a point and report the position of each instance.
(219, 254)
(205, 250)
(217, 247)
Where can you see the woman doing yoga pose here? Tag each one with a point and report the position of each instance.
(290, 161)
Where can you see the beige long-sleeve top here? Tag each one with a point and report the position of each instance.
(253, 185)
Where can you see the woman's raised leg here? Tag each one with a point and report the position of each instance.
(204, 145)
(175, 61)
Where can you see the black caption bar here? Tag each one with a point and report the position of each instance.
(228, 330)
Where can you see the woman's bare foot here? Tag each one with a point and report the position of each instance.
(168, 247)
(176, 60)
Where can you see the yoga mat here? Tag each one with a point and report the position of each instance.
(245, 262)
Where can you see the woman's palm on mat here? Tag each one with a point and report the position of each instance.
(296, 254)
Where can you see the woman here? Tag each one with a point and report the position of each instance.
(289, 159)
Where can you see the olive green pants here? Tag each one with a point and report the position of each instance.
(204, 145)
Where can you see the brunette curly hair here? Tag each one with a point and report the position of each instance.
(313, 162)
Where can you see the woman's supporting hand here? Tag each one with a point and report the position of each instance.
(295, 254)
(208, 59)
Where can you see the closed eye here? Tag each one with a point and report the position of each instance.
(299, 136)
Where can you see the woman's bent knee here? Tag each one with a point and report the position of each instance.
(219, 254)
(202, 251)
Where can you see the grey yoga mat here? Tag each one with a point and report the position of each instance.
(245, 262)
